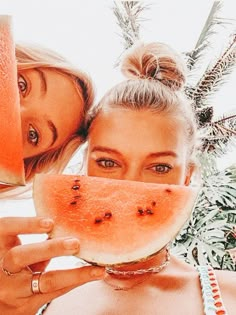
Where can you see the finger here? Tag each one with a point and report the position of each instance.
(58, 279)
(19, 257)
(12, 226)
(58, 282)
(7, 243)
(52, 284)
(41, 266)
(15, 286)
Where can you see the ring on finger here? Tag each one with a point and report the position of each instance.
(8, 273)
(35, 286)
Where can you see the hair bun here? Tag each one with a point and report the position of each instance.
(155, 61)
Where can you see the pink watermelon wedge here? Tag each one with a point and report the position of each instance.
(11, 147)
(116, 221)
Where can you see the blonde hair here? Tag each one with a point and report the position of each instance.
(156, 77)
(30, 57)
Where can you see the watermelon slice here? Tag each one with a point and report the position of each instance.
(11, 147)
(116, 221)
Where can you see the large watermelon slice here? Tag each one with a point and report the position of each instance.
(11, 148)
(116, 221)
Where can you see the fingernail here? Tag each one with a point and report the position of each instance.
(46, 223)
(97, 272)
(71, 243)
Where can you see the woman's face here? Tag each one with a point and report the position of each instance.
(51, 109)
(138, 145)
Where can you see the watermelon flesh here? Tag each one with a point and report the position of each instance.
(116, 221)
(11, 145)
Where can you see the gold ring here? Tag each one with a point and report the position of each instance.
(35, 288)
(8, 273)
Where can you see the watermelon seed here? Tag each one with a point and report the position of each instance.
(76, 197)
(75, 187)
(149, 211)
(77, 180)
(168, 190)
(73, 203)
(107, 215)
(140, 212)
(153, 203)
(98, 220)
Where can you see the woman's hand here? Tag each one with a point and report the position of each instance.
(18, 264)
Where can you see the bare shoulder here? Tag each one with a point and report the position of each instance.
(226, 279)
(227, 284)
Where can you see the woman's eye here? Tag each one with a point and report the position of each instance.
(22, 84)
(33, 136)
(161, 168)
(106, 163)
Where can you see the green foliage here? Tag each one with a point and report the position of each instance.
(209, 232)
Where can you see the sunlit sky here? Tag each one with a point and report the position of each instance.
(87, 34)
(86, 31)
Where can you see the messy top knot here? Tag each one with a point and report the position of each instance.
(156, 75)
(155, 61)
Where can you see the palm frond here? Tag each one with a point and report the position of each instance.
(231, 171)
(204, 116)
(128, 16)
(228, 120)
(219, 135)
(208, 164)
(213, 77)
(208, 30)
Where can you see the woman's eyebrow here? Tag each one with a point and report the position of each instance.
(162, 153)
(105, 149)
(43, 81)
(53, 129)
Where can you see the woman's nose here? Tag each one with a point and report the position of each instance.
(132, 174)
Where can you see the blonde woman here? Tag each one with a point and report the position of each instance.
(54, 97)
(144, 130)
